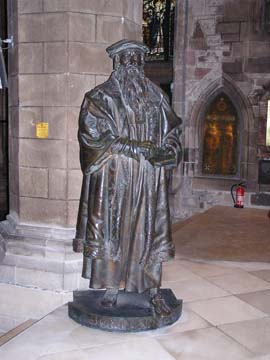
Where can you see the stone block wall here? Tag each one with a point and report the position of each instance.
(221, 45)
(59, 54)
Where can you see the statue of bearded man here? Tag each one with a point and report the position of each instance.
(128, 137)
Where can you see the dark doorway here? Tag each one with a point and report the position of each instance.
(3, 123)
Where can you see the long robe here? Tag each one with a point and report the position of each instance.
(123, 221)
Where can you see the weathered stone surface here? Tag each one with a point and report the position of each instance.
(42, 153)
(13, 61)
(89, 58)
(133, 312)
(51, 212)
(73, 207)
(240, 49)
(57, 119)
(258, 65)
(131, 31)
(74, 184)
(13, 130)
(42, 27)
(109, 28)
(199, 73)
(100, 79)
(79, 84)
(2, 255)
(55, 90)
(53, 51)
(82, 27)
(228, 27)
(73, 155)
(232, 67)
(14, 150)
(40, 279)
(237, 10)
(29, 6)
(30, 58)
(57, 184)
(31, 89)
(132, 10)
(7, 273)
(13, 99)
(261, 199)
(56, 5)
(73, 116)
(28, 117)
(259, 49)
(197, 7)
(230, 37)
(33, 182)
(113, 7)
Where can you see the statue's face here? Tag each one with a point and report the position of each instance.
(131, 57)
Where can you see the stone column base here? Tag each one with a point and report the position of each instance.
(41, 257)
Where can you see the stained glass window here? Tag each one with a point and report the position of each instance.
(220, 138)
(158, 28)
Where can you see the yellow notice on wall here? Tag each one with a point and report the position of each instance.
(42, 130)
(268, 124)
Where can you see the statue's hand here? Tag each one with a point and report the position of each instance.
(147, 149)
(162, 158)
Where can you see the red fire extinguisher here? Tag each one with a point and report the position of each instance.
(238, 200)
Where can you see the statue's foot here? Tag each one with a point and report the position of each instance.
(160, 306)
(110, 298)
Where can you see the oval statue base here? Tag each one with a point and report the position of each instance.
(132, 312)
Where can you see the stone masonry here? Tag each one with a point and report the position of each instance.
(221, 45)
(59, 54)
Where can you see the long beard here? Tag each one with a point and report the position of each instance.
(135, 90)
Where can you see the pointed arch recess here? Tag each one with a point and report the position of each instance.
(224, 85)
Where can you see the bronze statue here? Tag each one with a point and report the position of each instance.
(129, 137)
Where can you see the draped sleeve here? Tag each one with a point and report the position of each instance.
(172, 127)
(97, 132)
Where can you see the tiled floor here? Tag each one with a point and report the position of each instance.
(226, 316)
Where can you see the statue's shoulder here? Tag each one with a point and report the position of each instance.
(156, 92)
(108, 88)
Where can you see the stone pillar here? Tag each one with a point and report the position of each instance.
(59, 54)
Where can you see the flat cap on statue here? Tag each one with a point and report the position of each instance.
(124, 45)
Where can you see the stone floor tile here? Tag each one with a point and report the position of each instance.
(225, 310)
(206, 269)
(26, 302)
(239, 282)
(188, 321)
(262, 274)
(87, 338)
(203, 344)
(254, 335)
(68, 355)
(174, 271)
(138, 349)
(8, 323)
(260, 300)
(193, 290)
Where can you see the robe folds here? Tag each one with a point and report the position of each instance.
(123, 221)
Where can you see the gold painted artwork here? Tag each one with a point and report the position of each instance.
(220, 139)
(42, 130)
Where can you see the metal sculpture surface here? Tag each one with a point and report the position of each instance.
(128, 136)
